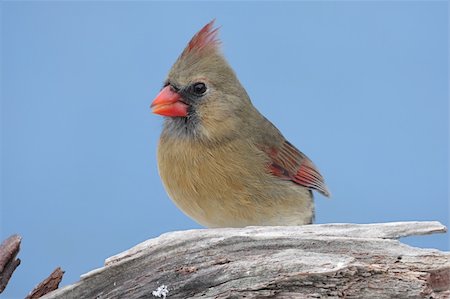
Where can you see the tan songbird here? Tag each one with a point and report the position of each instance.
(221, 161)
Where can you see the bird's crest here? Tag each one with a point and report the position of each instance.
(205, 39)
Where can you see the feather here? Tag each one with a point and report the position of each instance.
(206, 38)
(288, 163)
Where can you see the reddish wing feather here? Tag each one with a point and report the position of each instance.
(289, 163)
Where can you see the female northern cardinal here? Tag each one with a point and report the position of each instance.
(221, 161)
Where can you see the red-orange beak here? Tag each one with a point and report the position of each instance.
(168, 103)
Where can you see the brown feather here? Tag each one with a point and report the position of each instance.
(287, 162)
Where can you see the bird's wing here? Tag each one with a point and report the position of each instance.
(287, 162)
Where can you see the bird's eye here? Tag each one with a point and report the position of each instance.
(199, 88)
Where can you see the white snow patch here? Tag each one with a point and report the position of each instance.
(161, 291)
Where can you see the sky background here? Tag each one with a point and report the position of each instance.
(360, 87)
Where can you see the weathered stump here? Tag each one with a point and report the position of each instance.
(314, 261)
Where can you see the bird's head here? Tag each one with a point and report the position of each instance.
(202, 97)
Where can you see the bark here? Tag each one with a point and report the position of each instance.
(8, 262)
(49, 284)
(314, 261)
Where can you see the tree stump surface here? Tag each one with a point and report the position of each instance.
(312, 261)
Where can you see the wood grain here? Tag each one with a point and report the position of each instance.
(313, 261)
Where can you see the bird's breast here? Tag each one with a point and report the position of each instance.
(226, 185)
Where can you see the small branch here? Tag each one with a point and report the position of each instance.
(49, 284)
(8, 262)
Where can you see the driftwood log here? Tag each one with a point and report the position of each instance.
(314, 261)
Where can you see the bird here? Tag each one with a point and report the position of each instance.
(220, 160)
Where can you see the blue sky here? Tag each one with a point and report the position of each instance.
(360, 87)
